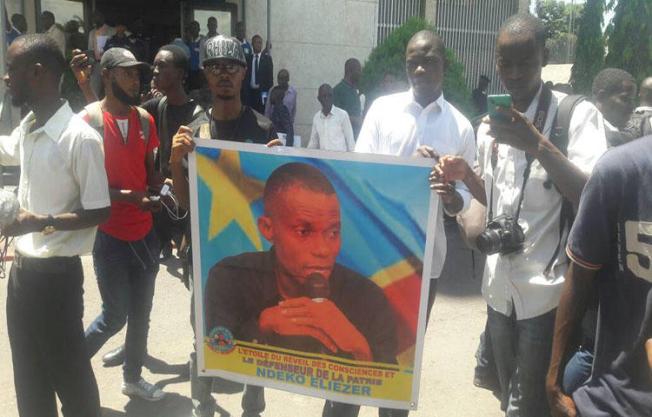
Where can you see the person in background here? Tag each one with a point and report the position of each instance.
(11, 32)
(331, 127)
(281, 117)
(289, 97)
(260, 78)
(614, 93)
(74, 38)
(97, 38)
(241, 35)
(127, 40)
(640, 123)
(346, 95)
(479, 95)
(19, 22)
(211, 24)
(57, 224)
(54, 30)
(194, 41)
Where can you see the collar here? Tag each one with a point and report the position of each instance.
(326, 116)
(532, 108)
(643, 108)
(436, 106)
(54, 126)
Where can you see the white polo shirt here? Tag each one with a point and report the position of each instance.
(332, 132)
(397, 125)
(62, 170)
(518, 280)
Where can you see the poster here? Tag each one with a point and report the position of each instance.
(310, 266)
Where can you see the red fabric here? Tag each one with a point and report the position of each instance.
(401, 295)
(125, 169)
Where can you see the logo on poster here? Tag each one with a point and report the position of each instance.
(220, 340)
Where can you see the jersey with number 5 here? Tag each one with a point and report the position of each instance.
(612, 234)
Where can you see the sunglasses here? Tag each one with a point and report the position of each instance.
(216, 68)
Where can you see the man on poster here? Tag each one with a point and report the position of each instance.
(295, 295)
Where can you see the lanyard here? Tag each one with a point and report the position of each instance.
(540, 118)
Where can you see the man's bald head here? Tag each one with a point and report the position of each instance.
(645, 94)
(294, 174)
(428, 38)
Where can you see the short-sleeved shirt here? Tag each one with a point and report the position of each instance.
(347, 97)
(612, 234)
(126, 170)
(518, 282)
(62, 171)
(239, 288)
(250, 126)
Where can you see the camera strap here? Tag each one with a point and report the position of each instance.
(540, 118)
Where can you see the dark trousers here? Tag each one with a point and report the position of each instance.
(126, 272)
(44, 319)
(255, 100)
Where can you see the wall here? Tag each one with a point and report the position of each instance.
(312, 39)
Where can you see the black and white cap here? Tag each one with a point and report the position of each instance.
(123, 58)
(224, 47)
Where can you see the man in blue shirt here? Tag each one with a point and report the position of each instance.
(611, 253)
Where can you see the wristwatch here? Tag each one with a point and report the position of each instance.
(49, 226)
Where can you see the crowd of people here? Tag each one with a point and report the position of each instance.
(565, 223)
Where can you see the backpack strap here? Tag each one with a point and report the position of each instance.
(144, 117)
(161, 117)
(559, 138)
(95, 116)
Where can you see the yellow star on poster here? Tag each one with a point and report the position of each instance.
(232, 193)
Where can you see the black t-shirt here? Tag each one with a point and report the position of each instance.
(240, 287)
(176, 116)
(250, 126)
(612, 234)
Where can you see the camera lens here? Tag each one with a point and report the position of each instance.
(489, 242)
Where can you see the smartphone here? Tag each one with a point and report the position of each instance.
(90, 54)
(494, 101)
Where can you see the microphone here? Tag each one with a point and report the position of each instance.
(316, 287)
(9, 207)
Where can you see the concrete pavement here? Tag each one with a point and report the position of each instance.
(446, 383)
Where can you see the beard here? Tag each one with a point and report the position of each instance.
(123, 96)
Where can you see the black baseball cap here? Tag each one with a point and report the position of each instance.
(224, 47)
(123, 58)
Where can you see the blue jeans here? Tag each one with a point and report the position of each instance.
(578, 370)
(126, 272)
(522, 351)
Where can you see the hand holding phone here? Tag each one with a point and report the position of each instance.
(496, 101)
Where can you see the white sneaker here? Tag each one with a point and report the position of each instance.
(142, 389)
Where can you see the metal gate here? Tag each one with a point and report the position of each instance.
(393, 13)
(469, 28)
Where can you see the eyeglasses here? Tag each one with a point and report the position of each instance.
(229, 68)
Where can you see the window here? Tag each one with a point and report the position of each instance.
(65, 11)
(224, 20)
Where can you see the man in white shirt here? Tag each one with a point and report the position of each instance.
(97, 39)
(331, 127)
(522, 287)
(63, 196)
(53, 30)
(420, 122)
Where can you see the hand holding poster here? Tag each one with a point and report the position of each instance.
(310, 267)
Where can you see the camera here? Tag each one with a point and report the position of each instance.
(502, 235)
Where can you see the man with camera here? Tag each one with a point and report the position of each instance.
(532, 183)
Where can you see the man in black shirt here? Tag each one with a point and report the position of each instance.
(296, 296)
(611, 255)
(228, 119)
(269, 297)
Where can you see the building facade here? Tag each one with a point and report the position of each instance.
(310, 38)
